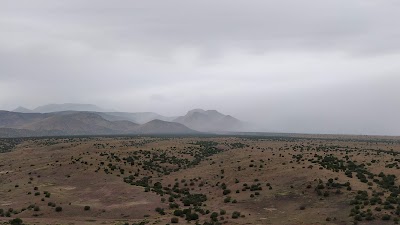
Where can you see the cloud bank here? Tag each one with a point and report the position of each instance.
(287, 66)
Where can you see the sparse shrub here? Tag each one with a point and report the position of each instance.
(386, 217)
(160, 210)
(226, 192)
(235, 215)
(178, 212)
(16, 221)
(214, 216)
(192, 216)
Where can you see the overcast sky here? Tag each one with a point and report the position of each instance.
(288, 66)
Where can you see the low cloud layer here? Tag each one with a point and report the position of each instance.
(287, 66)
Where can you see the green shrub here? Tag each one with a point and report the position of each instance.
(235, 215)
(16, 221)
(226, 192)
(174, 220)
(386, 217)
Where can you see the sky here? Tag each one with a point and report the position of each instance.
(306, 66)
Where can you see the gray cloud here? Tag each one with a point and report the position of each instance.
(289, 66)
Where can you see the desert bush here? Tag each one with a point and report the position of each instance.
(235, 215)
(16, 221)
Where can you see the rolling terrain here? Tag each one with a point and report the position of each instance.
(301, 179)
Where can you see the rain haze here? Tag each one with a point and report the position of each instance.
(285, 66)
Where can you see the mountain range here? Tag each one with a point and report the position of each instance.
(61, 107)
(87, 119)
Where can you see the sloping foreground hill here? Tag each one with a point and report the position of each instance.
(214, 180)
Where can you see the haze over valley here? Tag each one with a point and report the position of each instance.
(282, 66)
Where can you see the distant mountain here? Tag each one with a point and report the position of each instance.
(68, 107)
(87, 119)
(23, 110)
(137, 117)
(209, 121)
(80, 123)
(14, 124)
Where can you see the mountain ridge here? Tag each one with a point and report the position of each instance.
(15, 124)
(77, 120)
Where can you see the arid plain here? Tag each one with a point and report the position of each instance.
(291, 179)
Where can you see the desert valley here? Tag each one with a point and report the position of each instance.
(278, 112)
(200, 179)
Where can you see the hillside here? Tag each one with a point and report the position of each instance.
(16, 119)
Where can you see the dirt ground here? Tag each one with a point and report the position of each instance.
(298, 179)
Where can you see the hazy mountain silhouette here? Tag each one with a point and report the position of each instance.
(68, 107)
(136, 117)
(14, 124)
(23, 110)
(209, 121)
(88, 119)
